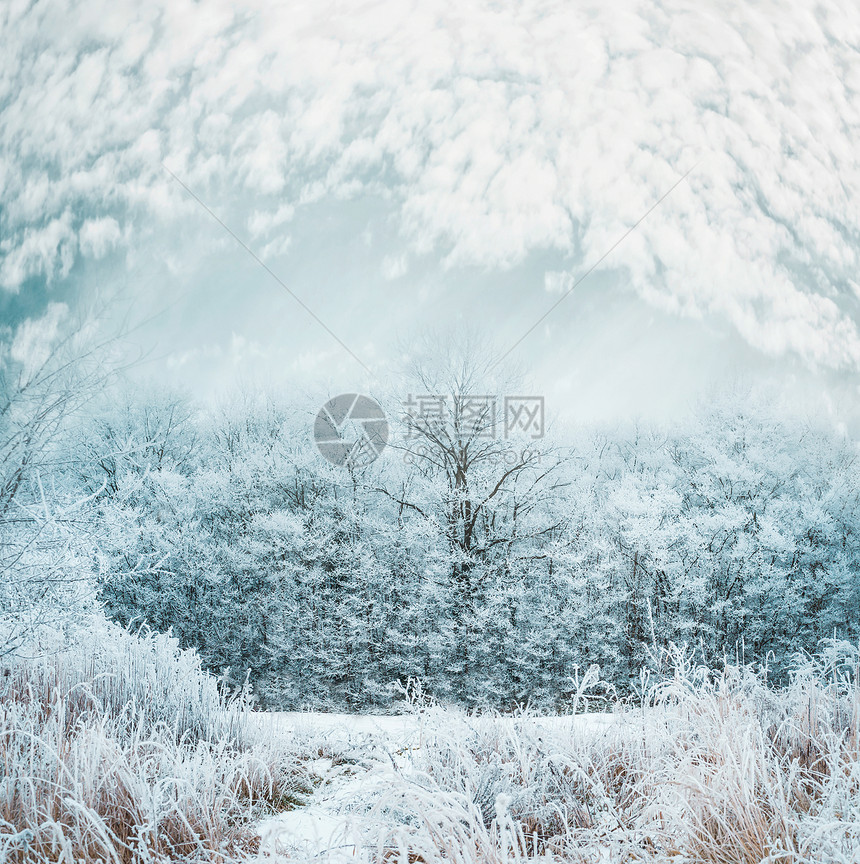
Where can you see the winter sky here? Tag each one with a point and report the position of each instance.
(401, 166)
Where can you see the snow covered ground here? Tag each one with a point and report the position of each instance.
(358, 757)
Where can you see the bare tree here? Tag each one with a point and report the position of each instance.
(454, 428)
(133, 431)
(48, 370)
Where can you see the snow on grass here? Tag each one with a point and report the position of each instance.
(714, 768)
(359, 759)
(717, 768)
(128, 753)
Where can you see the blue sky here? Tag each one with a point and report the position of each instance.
(403, 165)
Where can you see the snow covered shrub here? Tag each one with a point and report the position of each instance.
(737, 529)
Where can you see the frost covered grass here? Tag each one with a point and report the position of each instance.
(706, 768)
(132, 754)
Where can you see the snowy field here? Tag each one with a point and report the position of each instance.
(134, 755)
(708, 769)
(365, 757)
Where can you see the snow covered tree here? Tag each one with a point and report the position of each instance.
(49, 368)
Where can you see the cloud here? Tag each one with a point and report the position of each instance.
(494, 131)
(394, 267)
(46, 250)
(35, 338)
(99, 236)
(263, 221)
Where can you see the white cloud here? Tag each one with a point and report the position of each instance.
(394, 266)
(34, 338)
(557, 282)
(262, 222)
(493, 130)
(46, 250)
(99, 236)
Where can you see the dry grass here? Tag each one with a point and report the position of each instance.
(711, 768)
(131, 755)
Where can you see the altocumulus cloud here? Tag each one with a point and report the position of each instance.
(494, 130)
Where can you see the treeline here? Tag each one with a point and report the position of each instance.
(489, 568)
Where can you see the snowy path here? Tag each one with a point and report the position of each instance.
(360, 755)
(361, 752)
